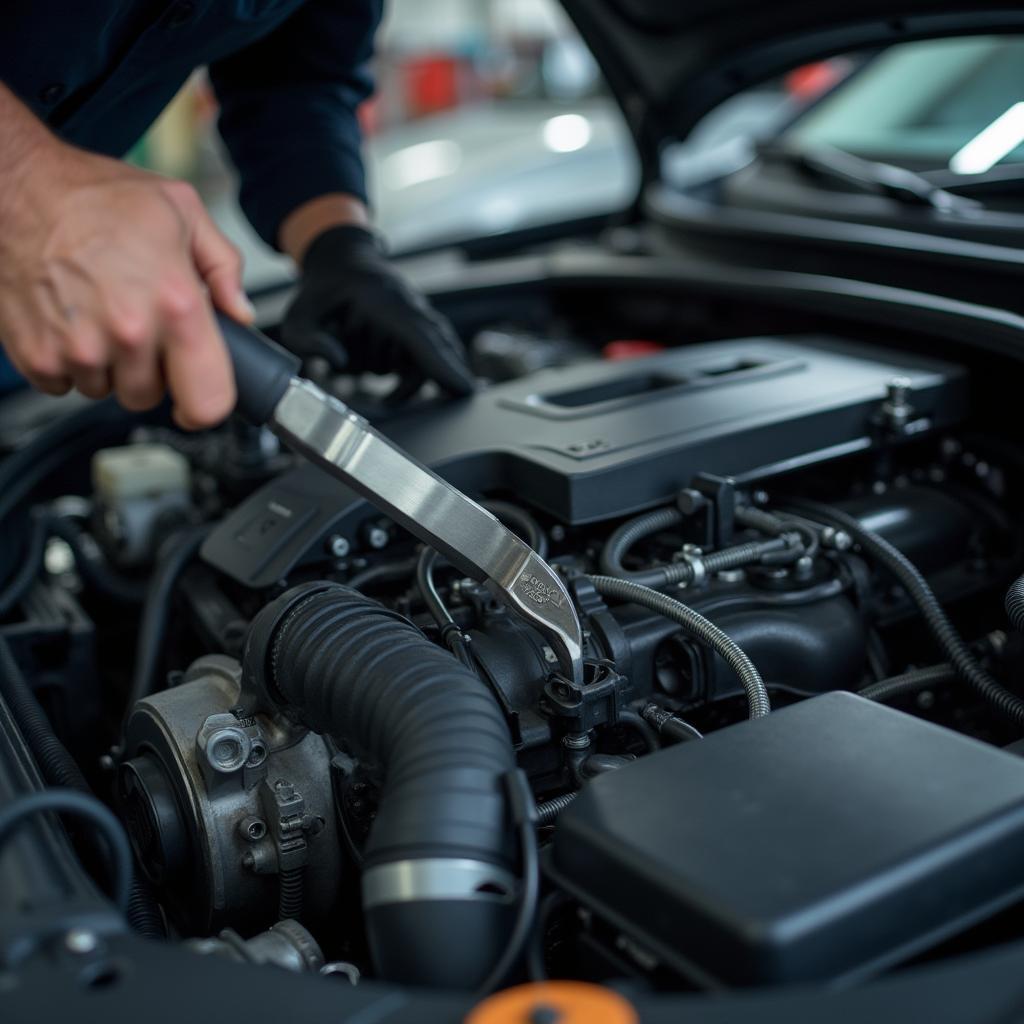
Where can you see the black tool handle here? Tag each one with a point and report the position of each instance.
(263, 369)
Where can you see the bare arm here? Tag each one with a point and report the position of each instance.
(301, 226)
(107, 275)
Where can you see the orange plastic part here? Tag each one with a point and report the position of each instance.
(555, 1002)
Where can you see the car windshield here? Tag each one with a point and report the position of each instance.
(947, 104)
(490, 116)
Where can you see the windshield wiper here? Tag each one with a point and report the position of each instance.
(872, 176)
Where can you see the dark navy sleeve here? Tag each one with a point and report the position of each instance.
(288, 109)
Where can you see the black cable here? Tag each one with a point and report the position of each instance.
(60, 769)
(524, 813)
(93, 568)
(156, 612)
(68, 801)
(522, 522)
(425, 565)
(536, 967)
(451, 633)
(30, 567)
(669, 725)
(387, 572)
(909, 683)
(701, 628)
(945, 633)
(56, 444)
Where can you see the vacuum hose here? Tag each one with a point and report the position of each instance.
(629, 533)
(438, 891)
(966, 666)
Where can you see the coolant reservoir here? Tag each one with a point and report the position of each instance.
(141, 490)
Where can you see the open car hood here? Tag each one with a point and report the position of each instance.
(669, 62)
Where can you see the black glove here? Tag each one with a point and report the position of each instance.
(355, 311)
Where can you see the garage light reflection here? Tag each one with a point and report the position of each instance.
(425, 161)
(566, 133)
(991, 144)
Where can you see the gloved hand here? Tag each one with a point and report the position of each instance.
(354, 310)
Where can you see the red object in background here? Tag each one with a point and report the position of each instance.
(430, 84)
(630, 348)
(369, 116)
(811, 80)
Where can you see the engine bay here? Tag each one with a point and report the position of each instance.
(334, 753)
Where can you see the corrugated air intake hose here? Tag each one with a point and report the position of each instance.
(438, 890)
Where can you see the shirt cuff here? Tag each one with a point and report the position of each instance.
(276, 189)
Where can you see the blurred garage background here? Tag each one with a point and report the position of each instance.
(492, 116)
(479, 102)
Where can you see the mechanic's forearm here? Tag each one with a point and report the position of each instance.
(22, 137)
(312, 218)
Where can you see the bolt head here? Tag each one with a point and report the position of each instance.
(377, 537)
(545, 1015)
(252, 829)
(897, 389)
(81, 941)
(338, 546)
(227, 749)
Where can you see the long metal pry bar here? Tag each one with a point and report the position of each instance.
(328, 433)
(342, 443)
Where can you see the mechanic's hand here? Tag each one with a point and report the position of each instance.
(106, 277)
(354, 310)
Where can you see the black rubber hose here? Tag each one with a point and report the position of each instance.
(629, 533)
(59, 768)
(630, 718)
(30, 567)
(907, 684)
(386, 572)
(80, 805)
(522, 522)
(775, 526)
(1015, 604)
(437, 860)
(906, 573)
(156, 612)
(93, 568)
(619, 543)
(700, 628)
(56, 444)
(669, 725)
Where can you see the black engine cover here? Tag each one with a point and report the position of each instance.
(830, 839)
(605, 439)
